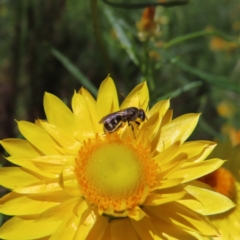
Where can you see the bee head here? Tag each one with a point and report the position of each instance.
(141, 114)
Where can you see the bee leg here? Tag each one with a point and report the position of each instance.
(114, 129)
(130, 124)
(138, 123)
(119, 126)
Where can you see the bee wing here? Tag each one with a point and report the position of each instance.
(106, 117)
(103, 119)
(110, 116)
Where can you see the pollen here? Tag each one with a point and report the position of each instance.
(113, 174)
(221, 181)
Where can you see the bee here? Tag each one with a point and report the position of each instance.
(113, 121)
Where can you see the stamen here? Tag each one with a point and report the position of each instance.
(115, 174)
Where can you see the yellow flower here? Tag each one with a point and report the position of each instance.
(75, 182)
(227, 182)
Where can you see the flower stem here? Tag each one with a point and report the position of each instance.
(98, 36)
(147, 68)
(189, 36)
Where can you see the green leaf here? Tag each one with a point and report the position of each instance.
(193, 35)
(75, 71)
(117, 25)
(1, 219)
(217, 81)
(181, 90)
(207, 128)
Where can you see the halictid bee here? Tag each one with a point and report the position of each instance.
(113, 121)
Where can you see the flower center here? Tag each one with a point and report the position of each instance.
(221, 181)
(113, 174)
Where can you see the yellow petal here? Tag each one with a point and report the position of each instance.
(123, 229)
(167, 154)
(178, 129)
(15, 204)
(197, 150)
(92, 106)
(159, 108)
(204, 200)
(71, 226)
(234, 224)
(183, 217)
(98, 228)
(161, 198)
(169, 231)
(64, 208)
(27, 164)
(71, 188)
(196, 170)
(38, 137)
(145, 229)
(67, 229)
(15, 177)
(149, 129)
(195, 223)
(167, 117)
(234, 218)
(167, 183)
(55, 160)
(168, 169)
(88, 97)
(234, 232)
(136, 213)
(152, 128)
(107, 99)
(53, 171)
(107, 233)
(138, 97)
(19, 147)
(64, 139)
(38, 188)
(57, 112)
(223, 227)
(19, 228)
(56, 196)
(83, 230)
(82, 117)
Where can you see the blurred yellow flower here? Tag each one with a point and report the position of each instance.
(154, 55)
(75, 182)
(219, 44)
(236, 26)
(234, 136)
(226, 182)
(226, 109)
(228, 223)
(147, 26)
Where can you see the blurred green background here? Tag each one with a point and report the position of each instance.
(192, 57)
(58, 46)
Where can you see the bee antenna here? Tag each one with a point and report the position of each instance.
(121, 95)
